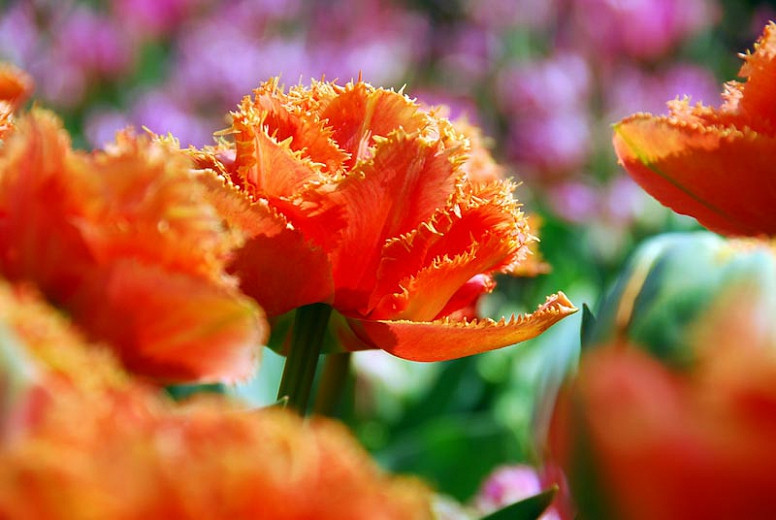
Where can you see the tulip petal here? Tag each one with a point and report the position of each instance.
(360, 112)
(755, 100)
(719, 175)
(276, 265)
(406, 181)
(151, 208)
(309, 135)
(447, 339)
(44, 189)
(483, 231)
(172, 326)
(265, 165)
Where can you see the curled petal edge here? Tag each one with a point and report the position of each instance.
(447, 338)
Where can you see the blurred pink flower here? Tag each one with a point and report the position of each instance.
(631, 89)
(552, 145)
(510, 484)
(547, 86)
(643, 29)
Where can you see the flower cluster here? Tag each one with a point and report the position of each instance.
(86, 440)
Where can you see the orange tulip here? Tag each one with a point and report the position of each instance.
(641, 441)
(89, 442)
(355, 196)
(716, 165)
(124, 241)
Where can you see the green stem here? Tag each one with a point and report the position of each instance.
(310, 326)
(334, 379)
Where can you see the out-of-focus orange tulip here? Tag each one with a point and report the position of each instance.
(125, 242)
(83, 440)
(641, 439)
(355, 196)
(717, 165)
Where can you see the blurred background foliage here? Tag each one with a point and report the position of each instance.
(544, 78)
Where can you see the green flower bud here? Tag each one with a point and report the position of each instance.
(673, 283)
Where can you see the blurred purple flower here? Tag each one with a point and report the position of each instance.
(554, 145)
(643, 29)
(632, 89)
(93, 43)
(574, 201)
(153, 18)
(552, 85)
(162, 113)
(505, 14)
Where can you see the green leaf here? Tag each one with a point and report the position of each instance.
(587, 329)
(530, 508)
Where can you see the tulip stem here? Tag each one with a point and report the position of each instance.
(334, 380)
(310, 326)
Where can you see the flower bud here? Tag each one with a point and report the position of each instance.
(669, 288)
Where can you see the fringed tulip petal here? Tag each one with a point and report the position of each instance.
(481, 231)
(713, 164)
(276, 264)
(44, 190)
(406, 181)
(309, 136)
(359, 113)
(266, 166)
(755, 99)
(449, 339)
(171, 326)
(713, 174)
(15, 88)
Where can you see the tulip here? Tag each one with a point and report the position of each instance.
(716, 165)
(355, 197)
(90, 442)
(124, 242)
(640, 440)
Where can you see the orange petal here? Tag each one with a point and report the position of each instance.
(280, 268)
(15, 85)
(264, 164)
(720, 175)
(444, 339)
(284, 119)
(406, 181)
(482, 232)
(171, 326)
(44, 189)
(755, 101)
(151, 208)
(360, 112)
(276, 265)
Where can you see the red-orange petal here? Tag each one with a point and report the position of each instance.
(482, 231)
(722, 176)
(171, 326)
(359, 113)
(276, 264)
(15, 85)
(755, 103)
(284, 119)
(280, 268)
(408, 178)
(44, 190)
(444, 339)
